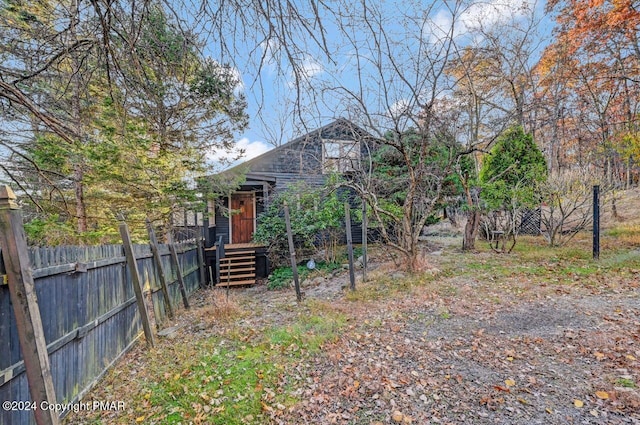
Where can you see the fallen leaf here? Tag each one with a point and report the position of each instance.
(602, 395)
(510, 383)
(140, 419)
(578, 403)
(397, 416)
(599, 355)
(630, 357)
(499, 388)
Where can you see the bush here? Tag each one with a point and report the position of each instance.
(509, 178)
(317, 223)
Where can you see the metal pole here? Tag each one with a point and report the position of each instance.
(364, 240)
(347, 218)
(596, 222)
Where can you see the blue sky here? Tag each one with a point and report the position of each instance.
(270, 92)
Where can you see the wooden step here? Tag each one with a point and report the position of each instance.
(238, 269)
(237, 283)
(240, 264)
(224, 276)
(231, 259)
(235, 253)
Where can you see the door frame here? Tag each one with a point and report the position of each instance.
(253, 200)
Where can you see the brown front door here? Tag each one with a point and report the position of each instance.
(242, 219)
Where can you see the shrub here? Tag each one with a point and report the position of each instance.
(317, 223)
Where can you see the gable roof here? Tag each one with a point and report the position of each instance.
(333, 129)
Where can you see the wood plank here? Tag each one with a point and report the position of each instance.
(238, 276)
(242, 263)
(231, 259)
(292, 252)
(237, 283)
(136, 282)
(235, 253)
(242, 269)
(178, 266)
(157, 260)
(25, 307)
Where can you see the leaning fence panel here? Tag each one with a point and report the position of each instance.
(89, 315)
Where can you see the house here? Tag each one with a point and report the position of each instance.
(311, 158)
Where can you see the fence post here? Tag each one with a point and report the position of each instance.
(25, 307)
(347, 219)
(596, 222)
(201, 264)
(292, 253)
(158, 260)
(136, 281)
(219, 255)
(174, 257)
(364, 240)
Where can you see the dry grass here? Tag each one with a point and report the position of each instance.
(215, 307)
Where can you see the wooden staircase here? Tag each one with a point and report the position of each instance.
(238, 267)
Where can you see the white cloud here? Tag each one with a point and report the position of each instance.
(438, 27)
(485, 15)
(489, 14)
(237, 75)
(308, 68)
(228, 159)
(252, 149)
(271, 51)
(311, 67)
(399, 108)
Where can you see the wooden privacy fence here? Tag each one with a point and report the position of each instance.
(89, 313)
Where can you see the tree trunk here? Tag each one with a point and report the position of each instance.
(473, 220)
(78, 170)
(471, 230)
(81, 210)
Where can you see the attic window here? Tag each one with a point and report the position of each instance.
(340, 155)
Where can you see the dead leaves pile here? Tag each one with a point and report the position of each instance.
(407, 363)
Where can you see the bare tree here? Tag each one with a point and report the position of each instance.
(391, 85)
(568, 206)
(494, 89)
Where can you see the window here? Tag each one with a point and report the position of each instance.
(340, 156)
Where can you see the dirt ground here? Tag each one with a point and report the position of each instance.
(466, 351)
(460, 347)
